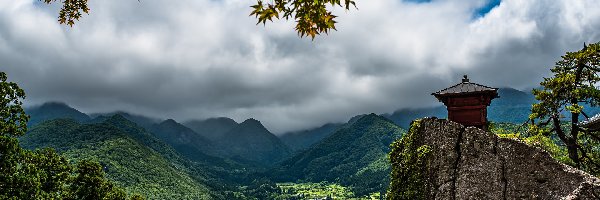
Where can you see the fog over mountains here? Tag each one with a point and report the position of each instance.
(512, 106)
(158, 59)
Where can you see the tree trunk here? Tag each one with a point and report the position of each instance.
(571, 145)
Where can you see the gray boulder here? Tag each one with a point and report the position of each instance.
(470, 163)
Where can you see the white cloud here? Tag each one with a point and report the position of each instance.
(199, 58)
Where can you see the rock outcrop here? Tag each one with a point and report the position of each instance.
(454, 162)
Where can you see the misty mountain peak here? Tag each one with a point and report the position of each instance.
(253, 124)
(54, 110)
(370, 118)
(53, 104)
(221, 120)
(252, 121)
(118, 117)
(355, 118)
(169, 122)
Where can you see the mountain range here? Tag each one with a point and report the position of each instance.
(216, 157)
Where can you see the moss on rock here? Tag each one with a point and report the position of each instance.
(409, 161)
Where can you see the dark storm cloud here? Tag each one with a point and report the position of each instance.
(198, 58)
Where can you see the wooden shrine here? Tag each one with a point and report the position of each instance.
(467, 102)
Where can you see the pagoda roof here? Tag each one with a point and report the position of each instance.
(466, 87)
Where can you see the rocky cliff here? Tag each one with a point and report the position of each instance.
(439, 159)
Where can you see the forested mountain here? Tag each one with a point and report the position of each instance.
(403, 117)
(53, 110)
(212, 128)
(511, 96)
(140, 120)
(251, 141)
(300, 140)
(131, 157)
(248, 142)
(214, 157)
(355, 155)
(513, 106)
(183, 139)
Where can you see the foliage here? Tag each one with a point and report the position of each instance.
(409, 161)
(14, 119)
(557, 152)
(571, 87)
(261, 189)
(312, 17)
(322, 190)
(533, 136)
(41, 174)
(151, 168)
(71, 10)
(90, 183)
(505, 129)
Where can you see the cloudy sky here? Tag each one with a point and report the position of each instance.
(194, 59)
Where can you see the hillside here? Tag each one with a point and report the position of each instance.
(218, 171)
(183, 139)
(355, 155)
(140, 120)
(133, 165)
(300, 140)
(513, 106)
(53, 110)
(250, 141)
(212, 128)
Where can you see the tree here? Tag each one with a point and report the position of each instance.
(71, 10)
(90, 183)
(572, 87)
(312, 17)
(14, 121)
(42, 174)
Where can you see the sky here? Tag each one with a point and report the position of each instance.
(196, 59)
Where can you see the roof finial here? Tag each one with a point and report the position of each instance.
(465, 79)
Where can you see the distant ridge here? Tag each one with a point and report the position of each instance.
(212, 128)
(53, 110)
(300, 140)
(143, 121)
(183, 139)
(251, 141)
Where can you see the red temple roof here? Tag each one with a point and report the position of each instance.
(466, 87)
